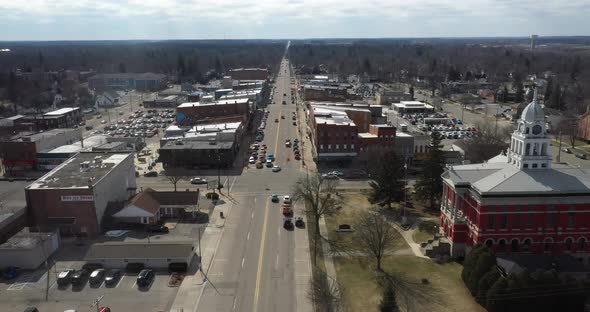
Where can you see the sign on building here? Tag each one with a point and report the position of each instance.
(71, 198)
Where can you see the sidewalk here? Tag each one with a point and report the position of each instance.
(408, 236)
(190, 291)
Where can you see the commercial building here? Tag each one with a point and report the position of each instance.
(380, 136)
(19, 152)
(335, 135)
(198, 112)
(203, 146)
(249, 73)
(155, 254)
(388, 95)
(254, 96)
(324, 93)
(47, 160)
(66, 117)
(169, 101)
(13, 208)
(520, 202)
(412, 107)
(73, 197)
(28, 250)
(127, 81)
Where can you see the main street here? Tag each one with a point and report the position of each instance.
(258, 264)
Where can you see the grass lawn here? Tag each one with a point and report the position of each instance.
(422, 237)
(425, 231)
(352, 204)
(445, 291)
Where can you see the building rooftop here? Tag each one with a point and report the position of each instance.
(25, 239)
(89, 143)
(33, 137)
(62, 111)
(412, 104)
(221, 102)
(128, 76)
(139, 250)
(216, 127)
(80, 171)
(194, 144)
(500, 177)
(366, 135)
(12, 199)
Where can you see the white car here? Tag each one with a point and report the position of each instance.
(276, 169)
(287, 199)
(252, 160)
(103, 121)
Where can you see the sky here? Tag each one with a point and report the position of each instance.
(277, 19)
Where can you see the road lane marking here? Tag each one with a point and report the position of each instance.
(235, 302)
(243, 260)
(260, 258)
(252, 216)
(277, 262)
(248, 238)
(278, 131)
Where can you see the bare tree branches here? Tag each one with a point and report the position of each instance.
(374, 234)
(325, 293)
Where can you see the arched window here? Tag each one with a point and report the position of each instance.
(527, 130)
(527, 245)
(547, 245)
(489, 243)
(502, 245)
(544, 149)
(527, 150)
(568, 244)
(536, 149)
(581, 243)
(514, 245)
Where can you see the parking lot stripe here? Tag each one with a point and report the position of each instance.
(248, 238)
(243, 259)
(120, 279)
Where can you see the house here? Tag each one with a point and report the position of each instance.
(108, 98)
(519, 203)
(149, 206)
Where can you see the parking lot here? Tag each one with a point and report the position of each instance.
(29, 288)
(142, 123)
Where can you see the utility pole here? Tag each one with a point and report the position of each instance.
(405, 189)
(96, 302)
(559, 149)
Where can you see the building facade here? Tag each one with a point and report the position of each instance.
(519, 202)
(73, 197)
(127, 81)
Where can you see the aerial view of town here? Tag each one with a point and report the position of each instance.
(294, 156)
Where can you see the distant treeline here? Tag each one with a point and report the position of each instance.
(194, 58)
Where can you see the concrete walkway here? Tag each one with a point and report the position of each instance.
(190, 291)
(408, 236)
(328, 258)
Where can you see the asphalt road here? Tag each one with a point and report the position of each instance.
(257, 262)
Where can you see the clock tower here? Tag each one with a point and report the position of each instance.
(529, 145)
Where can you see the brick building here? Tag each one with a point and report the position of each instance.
(73, 197)
(519, 202)
(66, 117)
(249, 73)
(19, 153)
(194, 113)
(381, 136)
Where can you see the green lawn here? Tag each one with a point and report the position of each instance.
(445, 291)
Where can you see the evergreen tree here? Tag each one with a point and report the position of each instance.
(485, 283)
(387, 184)
(389, 302)
(519, 88)
(180, 66)
(429, 184)
(548, 90)
(411, 92)
(555, 98)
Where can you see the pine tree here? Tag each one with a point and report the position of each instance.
(429, 185)
(387, 184)
(388, 302)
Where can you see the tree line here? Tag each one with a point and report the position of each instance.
(542, 290)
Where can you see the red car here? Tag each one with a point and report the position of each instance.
(287, 211)
(297, 157)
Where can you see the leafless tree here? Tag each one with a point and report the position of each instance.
(374, 234)
(490, 141)
(568, 126)
(174, 177)
(325, 293)
(319, 198)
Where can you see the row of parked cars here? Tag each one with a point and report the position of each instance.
(141, 124)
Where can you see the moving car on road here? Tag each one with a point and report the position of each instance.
(287, 224)
(198, 181)
(299, 222)
(276, 169)
(274, 198)
(268, 163)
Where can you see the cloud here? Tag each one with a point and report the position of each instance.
(251, 15)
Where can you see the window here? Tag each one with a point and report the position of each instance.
(516, 220)
(527, 245)
(568, 244)
(550, 219)
(548, 245)
(534, 165)
(525, 166)
(581, 243)
(543, 165)
(351, 146)
(528, 149)
(337, 146)
(489, 243)
(504, 219)
(491, 219)
(571, 219)
(344, 146)
(514, 245)
(502, 245)
(530, 218)
(321, 146)
(329, 146)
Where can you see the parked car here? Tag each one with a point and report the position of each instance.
(151, 174)
(274, 198)
(268, 163)
(566, 150)
(79, 277)
(145, 278)
(299, 222)
(97, 276)
(156, 228)
(10, 273)
(112, 277)
(63, 278)
(582, 156)
(287, 224)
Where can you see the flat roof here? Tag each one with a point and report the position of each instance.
(367, 135)
(75, 147)
(413, 104)
(70, 175)
(216, 127)
(62, 111)
(25, 239)
(13, 198)
(140, 250)
(192, 144)
(33, 137)
(221, 102)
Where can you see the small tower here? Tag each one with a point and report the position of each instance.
(529, 145)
